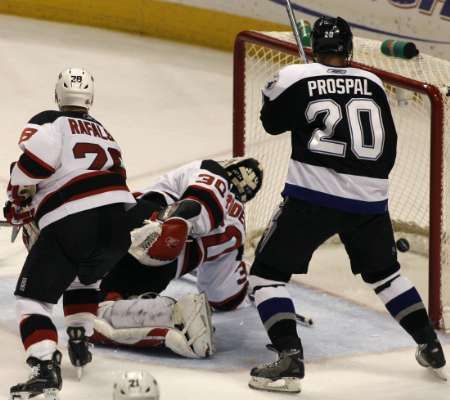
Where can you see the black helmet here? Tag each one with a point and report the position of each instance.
(332, 35)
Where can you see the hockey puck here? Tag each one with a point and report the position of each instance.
(402, 245)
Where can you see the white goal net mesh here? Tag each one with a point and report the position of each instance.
(410, 179)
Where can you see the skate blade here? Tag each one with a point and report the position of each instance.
(19, 396)
(79, 372)
(51, 394)
(286, 385)
(439, 373)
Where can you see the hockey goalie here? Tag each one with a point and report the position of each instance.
(192, 218)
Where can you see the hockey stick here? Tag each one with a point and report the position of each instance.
(15, 229)
(294, 26)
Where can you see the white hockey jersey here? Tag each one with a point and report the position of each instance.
(74, 162)
(219, 230)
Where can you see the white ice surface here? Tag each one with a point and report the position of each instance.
(167, 104)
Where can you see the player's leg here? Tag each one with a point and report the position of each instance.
(46, 274)
(131, 278)
(224, 281)
(372, 251)
(184, 326)
(95, 240)
(80, 303)
(286, 248)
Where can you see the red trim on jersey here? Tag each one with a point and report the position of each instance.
(39, 336)
(95, 192)
(208, 210)
(231, 302)
(214, 220)
(71, 309)
(83, 177)
(42, 163)
(29, 173)
(193, 257)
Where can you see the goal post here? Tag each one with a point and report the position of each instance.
(417, 92)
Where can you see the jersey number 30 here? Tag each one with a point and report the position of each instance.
(321, 139)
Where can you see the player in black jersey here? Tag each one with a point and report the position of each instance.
(343, 149)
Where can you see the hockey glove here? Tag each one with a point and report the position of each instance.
(158, 243)
(17, 210)
(17, 215)
(21, 195)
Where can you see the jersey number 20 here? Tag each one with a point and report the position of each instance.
(321, 139)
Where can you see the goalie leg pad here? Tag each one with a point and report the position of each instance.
(172, 338)
(193, 313)
(138, 313)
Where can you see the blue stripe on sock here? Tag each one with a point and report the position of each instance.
(403, 301)
(273, 306)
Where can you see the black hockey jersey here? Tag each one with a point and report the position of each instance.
(343, 135)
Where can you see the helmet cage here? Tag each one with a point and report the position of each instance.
(245, 175)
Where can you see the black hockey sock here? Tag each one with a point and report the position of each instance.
(277, 313)
(37, 332)
(80, 301)
(405, 304)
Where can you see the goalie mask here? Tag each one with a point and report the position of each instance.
(332, 35)
(136, 385)
(75, 87)
(245, 175)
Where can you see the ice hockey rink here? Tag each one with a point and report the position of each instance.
(167, 104)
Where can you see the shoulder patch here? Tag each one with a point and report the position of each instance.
(45, 117)
(215, 168)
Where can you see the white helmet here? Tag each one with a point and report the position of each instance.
(136, 385)
(75, 87)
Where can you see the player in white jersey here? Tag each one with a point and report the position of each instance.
(203, 200)
(343, 149)
(71, 181)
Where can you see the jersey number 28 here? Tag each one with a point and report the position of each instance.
(321, 140)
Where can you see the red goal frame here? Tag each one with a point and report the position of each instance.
(436, 144)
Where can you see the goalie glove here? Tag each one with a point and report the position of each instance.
(158, 243)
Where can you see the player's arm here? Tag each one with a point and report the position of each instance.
(278, 110)
(390, 133)
(209, 188)
(199, 210)
(41, 151)
(39, 159)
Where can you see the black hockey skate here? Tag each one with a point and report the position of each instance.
(45, 378)
(79, 349)
(283, 375)
(431, 355)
